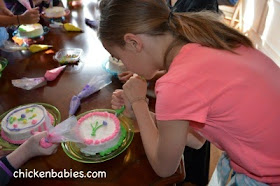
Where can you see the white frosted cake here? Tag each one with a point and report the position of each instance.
(116, 65)
(21, 123)
(101, 133)
(55, 12)
(30, 30)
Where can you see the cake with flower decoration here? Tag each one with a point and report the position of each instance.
(101, 132)
(21, 123)
(31, 30)
(116, 65)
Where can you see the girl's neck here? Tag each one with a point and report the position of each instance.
(172, 51)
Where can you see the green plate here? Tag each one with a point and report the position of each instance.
(51, 109)
(3, 62)
(73, 151)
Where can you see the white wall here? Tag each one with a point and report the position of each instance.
(262, 24)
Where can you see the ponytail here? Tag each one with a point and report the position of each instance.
(207, 30)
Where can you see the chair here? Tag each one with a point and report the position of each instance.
(233, 15)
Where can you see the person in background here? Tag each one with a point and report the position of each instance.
(193, 5)
(217, 87)
(29, 149)
(4, 10)
(7, 18)
(18, 8)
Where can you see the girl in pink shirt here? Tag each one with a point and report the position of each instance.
(217, 87)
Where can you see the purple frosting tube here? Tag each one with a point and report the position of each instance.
(74, 105)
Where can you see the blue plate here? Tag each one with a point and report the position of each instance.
(45, 28)
(105, 66)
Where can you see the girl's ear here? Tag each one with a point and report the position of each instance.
(133, 42)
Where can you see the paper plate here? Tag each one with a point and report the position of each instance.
(66, 13)
(50, 108)
(73, 151)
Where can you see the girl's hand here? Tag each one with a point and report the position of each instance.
(135, 89)
(118, 100)
(34, 148)
(30, 16)
(124, 77)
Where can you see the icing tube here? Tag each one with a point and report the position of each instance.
(97, 82)
(74, 105)
(44, 143)
(51, 75)
(26, 4)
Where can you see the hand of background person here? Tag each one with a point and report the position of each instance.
(118, 100)
(30, 16)
(35, 149)
(124, 77)
(135, 88)
(30, 149)
(5, 11)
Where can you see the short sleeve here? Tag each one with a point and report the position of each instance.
(179, 102)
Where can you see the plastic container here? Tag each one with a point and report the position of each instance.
(68, 56)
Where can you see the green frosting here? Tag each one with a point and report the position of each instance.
(109, 150)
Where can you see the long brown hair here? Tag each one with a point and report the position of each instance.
(153, 17)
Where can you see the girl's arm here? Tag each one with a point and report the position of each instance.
(164, 144)
(8, 20)
(28, 17)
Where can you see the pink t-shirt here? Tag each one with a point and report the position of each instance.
(233, 100)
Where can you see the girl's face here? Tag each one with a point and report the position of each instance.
(137, 61)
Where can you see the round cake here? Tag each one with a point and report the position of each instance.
(21, 123)
(30, 30)
(100, 132)
(116, 65)
(55, 12)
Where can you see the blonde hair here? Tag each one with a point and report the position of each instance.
(153, 17)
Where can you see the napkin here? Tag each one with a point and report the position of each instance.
(71, 28)
(33, 83)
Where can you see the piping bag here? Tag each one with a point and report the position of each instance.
(32, 83)
(64, 131)
(97, 82)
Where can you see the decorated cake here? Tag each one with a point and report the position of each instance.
(55, 12)
(30, 30)
(116, 65)
(101, 132)
(21, 123)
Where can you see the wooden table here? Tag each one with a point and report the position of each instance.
(129, 168)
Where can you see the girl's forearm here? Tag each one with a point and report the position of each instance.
(18, 157)
(148, 131)
(9, 20)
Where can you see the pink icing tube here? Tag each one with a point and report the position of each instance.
(44, 143)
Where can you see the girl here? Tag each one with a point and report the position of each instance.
(217, 87)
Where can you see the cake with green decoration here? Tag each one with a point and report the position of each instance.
(30, 30)
(101, 133)
(21, 123)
